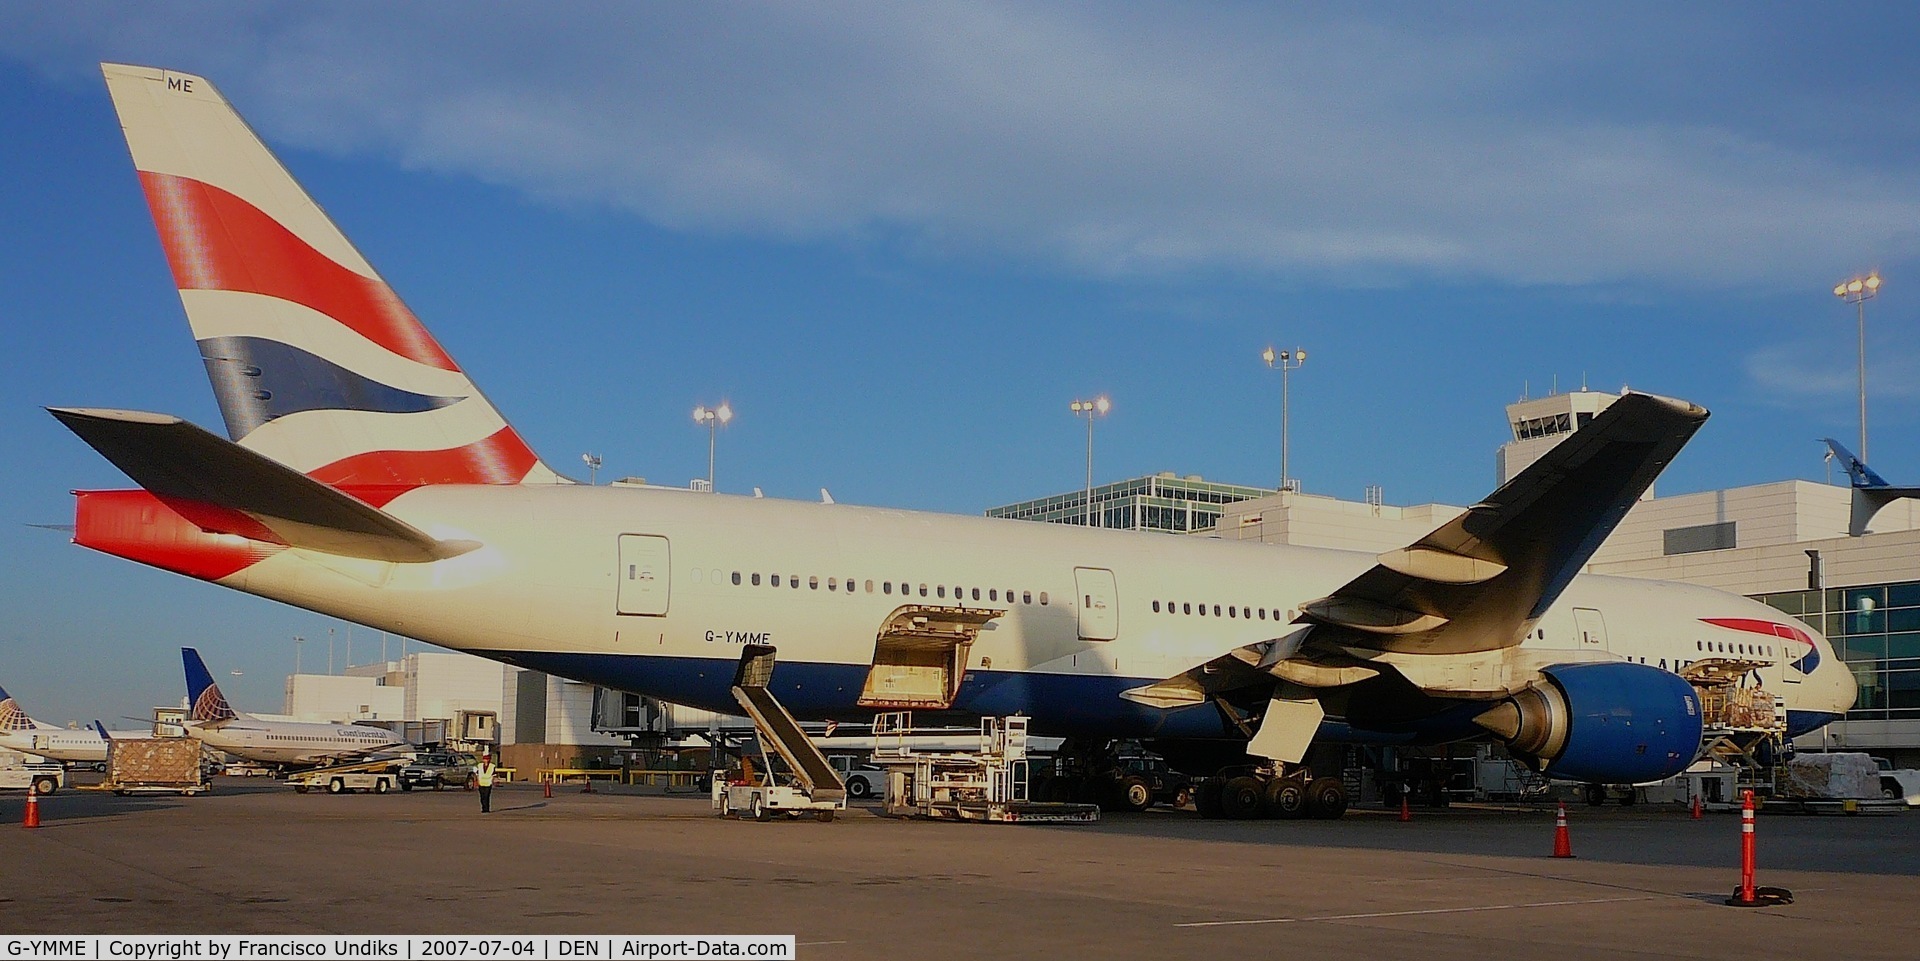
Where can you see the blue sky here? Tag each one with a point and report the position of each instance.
(901, 238)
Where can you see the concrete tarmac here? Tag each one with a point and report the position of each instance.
(254, 857)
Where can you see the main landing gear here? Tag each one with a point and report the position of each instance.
(1246, 794)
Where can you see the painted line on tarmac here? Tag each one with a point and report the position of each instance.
(1406, 914)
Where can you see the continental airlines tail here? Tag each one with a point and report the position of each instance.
(205, 703)
(316, 362)
(12, 718)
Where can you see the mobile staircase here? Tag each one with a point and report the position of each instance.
(808, 785)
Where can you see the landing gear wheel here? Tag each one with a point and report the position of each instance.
(1596, 794)
(336, 786)
(1240, 798)
(1135, 795)
(1285, 798)
(1326, 798)
(1206, 800)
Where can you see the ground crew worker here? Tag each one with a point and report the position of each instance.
(483, 779)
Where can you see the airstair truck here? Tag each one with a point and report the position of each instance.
(808, 785)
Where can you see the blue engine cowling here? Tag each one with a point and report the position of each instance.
(1606, 722)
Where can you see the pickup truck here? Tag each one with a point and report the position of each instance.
(1898, 784)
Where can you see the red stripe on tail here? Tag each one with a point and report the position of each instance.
(217, 241)
(500, 459)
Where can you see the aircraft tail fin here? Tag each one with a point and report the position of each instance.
(12, 718)
(205, 703)
(1857, 470)
(315, 361)
(101, 729)
(1870, 491)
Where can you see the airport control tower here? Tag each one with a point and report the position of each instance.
(1540, 422)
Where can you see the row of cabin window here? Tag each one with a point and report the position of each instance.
(887, 587)
(1725, 647)
(1201, 609)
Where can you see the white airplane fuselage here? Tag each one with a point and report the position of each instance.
(546, 587)
(289, 742)
(57, 744)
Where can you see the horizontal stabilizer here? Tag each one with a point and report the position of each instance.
(228, 489)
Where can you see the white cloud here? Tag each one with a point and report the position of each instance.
(1106, 140)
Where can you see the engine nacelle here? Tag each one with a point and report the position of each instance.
(1604, 722)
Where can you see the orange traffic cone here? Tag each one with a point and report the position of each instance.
(1406, 810)
(32, 818)
(546, 788)
(1562, 844)
(1696, 807)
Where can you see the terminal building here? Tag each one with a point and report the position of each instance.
(1784, 543)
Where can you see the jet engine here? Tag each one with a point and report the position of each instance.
(1609, 722)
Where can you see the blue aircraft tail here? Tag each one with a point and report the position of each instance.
(204, 700)
(1862, 475)
(1870, 491)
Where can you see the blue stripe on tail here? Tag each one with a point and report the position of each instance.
(257, 380)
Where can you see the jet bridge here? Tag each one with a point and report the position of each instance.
(777, 728)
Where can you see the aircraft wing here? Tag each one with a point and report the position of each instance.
(229, 489)
(1479, 582)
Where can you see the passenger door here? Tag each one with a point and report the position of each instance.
(643, 575)
(1099, 605)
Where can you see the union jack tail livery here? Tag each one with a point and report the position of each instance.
(205, 703)
(316, 362)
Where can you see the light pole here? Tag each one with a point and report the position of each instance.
(713, 418)
(297, 641)
(1857, 292)
(1286, 361)
(593, 467)
(1096, 407)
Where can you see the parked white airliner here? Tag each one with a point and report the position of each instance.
(368, 478)
(18, 732)
(211, 719)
